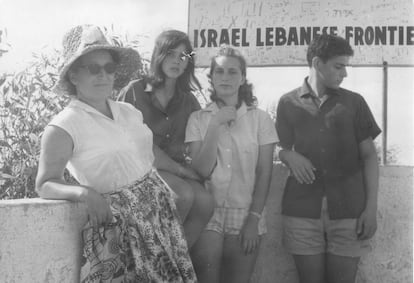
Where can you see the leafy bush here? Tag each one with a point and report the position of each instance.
(26, 106)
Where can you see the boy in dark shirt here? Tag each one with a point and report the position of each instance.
(330, 200)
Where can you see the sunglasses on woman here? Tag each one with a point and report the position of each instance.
(95, 69)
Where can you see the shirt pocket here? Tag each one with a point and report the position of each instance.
(249, 153)
(248, 146)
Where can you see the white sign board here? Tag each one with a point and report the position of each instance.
(277, 32)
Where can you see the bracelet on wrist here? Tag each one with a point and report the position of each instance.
(258, 215)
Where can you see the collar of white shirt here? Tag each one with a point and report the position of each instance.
(76, 103)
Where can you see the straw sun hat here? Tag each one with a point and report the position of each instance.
(81, 40)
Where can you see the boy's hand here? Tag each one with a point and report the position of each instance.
(301, 167)
(367, 224)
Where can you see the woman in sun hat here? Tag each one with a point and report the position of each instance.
(133, 233)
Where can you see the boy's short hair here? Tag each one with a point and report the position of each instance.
(327, 46)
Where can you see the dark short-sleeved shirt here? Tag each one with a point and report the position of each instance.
(329, 136)
(168, 125)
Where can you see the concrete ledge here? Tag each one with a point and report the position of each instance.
(40, 239)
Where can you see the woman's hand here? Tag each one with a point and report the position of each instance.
(226, 114)
(98, 209)
(249, 235)
(188, 173)
(302, 168)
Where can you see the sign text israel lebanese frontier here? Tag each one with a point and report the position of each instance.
(277, 32)
(277, 36)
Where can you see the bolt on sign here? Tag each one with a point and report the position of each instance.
(277, 32)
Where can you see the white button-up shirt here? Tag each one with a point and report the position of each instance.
(108, 153)
(233, 179)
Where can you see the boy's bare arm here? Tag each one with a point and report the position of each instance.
(367, 222)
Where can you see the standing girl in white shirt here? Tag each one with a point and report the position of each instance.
(231, 144)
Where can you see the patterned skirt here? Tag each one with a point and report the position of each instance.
(145, 242)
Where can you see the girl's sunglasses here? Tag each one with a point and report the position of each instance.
(95, 69)
(184, 56)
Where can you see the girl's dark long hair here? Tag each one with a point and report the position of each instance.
(246, 89)
(166, 41)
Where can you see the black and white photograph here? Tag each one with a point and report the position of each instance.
(209, 141)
